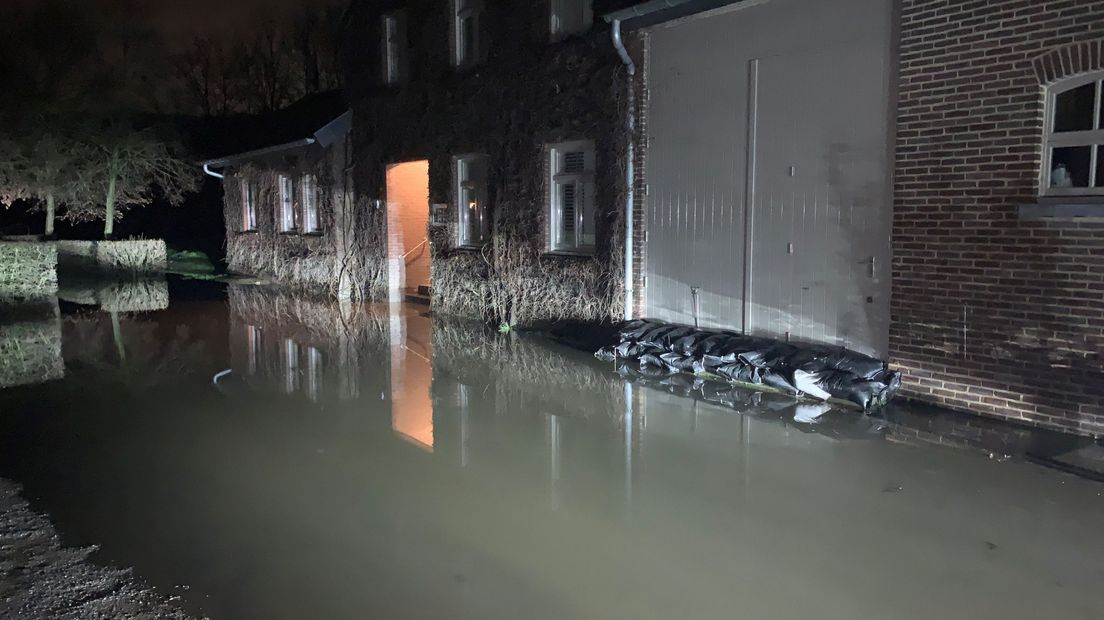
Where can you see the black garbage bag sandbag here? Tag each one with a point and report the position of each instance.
(650, 371)
(889, 378)
(633, 330)
(678, 361)
(768, 355)
(778, 381)
(692, 343)
(633, 350)
(710, 363)
(739, 371)
(810, 358)
(857, 364)
(714, 343)
(654, 336)
(846, 386)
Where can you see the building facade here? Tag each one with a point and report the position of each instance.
(491, 138)
(913, 179)
(289, 216)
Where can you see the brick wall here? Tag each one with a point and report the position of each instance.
(992, 313)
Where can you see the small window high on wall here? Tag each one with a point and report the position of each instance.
(394, 47)
(466, 17)
(572, 197)
(568, 17)
(1073, 161)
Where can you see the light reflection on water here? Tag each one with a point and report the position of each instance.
(369, 461)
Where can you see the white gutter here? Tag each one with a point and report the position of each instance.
(207, 169)
(630, 179)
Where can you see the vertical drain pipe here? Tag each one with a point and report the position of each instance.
(630, 67)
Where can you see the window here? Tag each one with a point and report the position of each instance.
(249, 206)
(568, 17)
(465, 31)
(308, 196)
(471, 199)
(394, 47)
(291, 366)
(572, 197)
(1073, 162)
(289, 219)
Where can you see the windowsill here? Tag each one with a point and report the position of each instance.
(570, 253)
(313, 233)
(251, 231)
(289, 233)
(1063, 207)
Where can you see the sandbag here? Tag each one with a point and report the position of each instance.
(740, 371)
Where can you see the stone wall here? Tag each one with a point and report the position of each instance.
(992, 313)
(526, 94)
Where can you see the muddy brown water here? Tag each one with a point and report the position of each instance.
(268, 457)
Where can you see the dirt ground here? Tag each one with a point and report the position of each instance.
(41, 579)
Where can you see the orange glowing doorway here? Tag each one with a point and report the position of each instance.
(408, 253)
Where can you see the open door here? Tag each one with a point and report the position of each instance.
(408, 255)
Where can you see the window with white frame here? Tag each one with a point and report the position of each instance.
(1073, 162)
(466, 15)
(572, 197)
(308, 197)
(568, 17)
(471, 200)
(394, 47)
(249, 206)
(289, 219)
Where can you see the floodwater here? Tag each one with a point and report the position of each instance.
(263, 456)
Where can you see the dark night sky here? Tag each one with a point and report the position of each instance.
(181, 20)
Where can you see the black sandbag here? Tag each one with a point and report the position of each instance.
(710, 363)
(678, 361)
(739, 371)
(846, 386)
(778, 381)
(633, 350)
(768, 354)
(654, 336)
(857, 364)
(714, 343)
(633, 330)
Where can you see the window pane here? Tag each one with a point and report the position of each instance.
(1099, 166)
(1074, 109)
(1069, 166)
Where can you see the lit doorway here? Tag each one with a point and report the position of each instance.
(408, 254)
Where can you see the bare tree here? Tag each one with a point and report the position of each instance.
(134, 168)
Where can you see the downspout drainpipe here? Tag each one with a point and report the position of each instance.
(630, 67)
(217, 175)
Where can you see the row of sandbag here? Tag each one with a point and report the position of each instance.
(815, 371)
(816, 417)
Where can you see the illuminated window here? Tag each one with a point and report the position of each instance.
(308, 196)
(289, 219)
(466, 17)
(471, 199)
(568, 17)
(1073, 161)
(394, 47)
(249, 206)
(572, 197)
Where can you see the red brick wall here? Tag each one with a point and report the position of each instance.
(991, 313)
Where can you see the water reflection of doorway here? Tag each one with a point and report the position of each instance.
(412, 376)
(408, 256)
